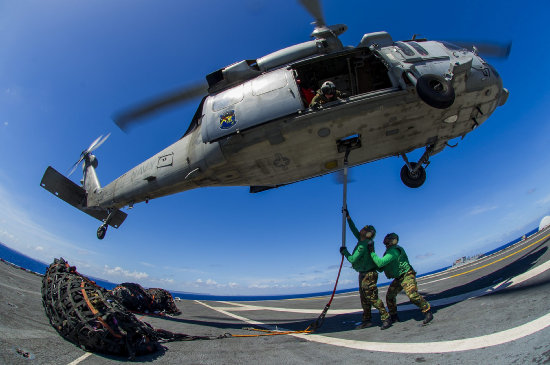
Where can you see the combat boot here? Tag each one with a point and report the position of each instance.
(394, 318)
(386, 324)
(428, 316)
(364, 324)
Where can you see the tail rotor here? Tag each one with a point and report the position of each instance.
(94, 146)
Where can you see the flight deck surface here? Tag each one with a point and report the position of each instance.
(493, 310)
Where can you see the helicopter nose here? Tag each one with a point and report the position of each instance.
(503, 96)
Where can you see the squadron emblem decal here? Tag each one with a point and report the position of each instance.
(227, 119)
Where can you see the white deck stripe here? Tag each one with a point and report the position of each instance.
(81, 358)
(466, 344)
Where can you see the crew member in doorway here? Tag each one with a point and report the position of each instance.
(325, 94)
(368, 275)
(396, 266)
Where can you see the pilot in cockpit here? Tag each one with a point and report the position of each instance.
(326, 94)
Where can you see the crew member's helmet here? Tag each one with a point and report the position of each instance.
(370, 229)
(328, 87)
(391, 239)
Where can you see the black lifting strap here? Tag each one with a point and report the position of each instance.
(168, 336)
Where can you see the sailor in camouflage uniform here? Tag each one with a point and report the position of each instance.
(395, 264)
(368, 275)
(325, 94)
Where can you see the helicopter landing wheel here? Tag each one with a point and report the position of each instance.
(436, 91)
(101, 231)
(413, 179)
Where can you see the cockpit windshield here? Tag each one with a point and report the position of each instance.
(452, 46)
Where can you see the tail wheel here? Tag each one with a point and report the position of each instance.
(413, 180)
(101, 231)
(435, 91)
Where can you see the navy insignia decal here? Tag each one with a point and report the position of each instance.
(227, 119)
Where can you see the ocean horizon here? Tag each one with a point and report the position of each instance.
(23, 261)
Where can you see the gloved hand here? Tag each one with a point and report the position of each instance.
(370, 247)
(343, 249)
(346, 212)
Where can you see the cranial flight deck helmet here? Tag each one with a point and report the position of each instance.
(370, 229)
(391, 239)
(328, 87)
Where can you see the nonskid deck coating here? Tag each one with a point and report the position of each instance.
(494, 310)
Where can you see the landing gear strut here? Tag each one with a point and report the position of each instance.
(102, 230)
(413, 174)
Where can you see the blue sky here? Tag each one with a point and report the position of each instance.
(67, 66)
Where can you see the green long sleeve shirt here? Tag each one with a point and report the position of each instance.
(394, 262)
(360, 259)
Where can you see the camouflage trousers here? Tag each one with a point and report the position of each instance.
(406, 282)
(368, 292)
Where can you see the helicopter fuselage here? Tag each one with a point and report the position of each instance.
(260, 131)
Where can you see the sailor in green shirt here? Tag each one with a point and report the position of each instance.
(396, 266)
(368, 275)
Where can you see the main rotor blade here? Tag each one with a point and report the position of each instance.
(314, 8)
(488, 49)
(131, 116)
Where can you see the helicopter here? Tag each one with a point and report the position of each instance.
(254, 125)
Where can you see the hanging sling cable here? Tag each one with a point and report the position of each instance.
(345, 145)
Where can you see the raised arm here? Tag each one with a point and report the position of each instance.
(353, 228)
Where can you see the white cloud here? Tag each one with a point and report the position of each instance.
(39, 248)
(544, 200)
(482, 209)
(425, 256)
(210, 283)
(10, 92)
(120, 272)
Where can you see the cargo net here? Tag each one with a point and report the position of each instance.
(154, 300)
(86, 315)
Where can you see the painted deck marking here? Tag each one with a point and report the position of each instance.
(502, 258)
(465, 344)
(80, 359)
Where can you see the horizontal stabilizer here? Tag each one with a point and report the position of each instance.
(75, 195)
